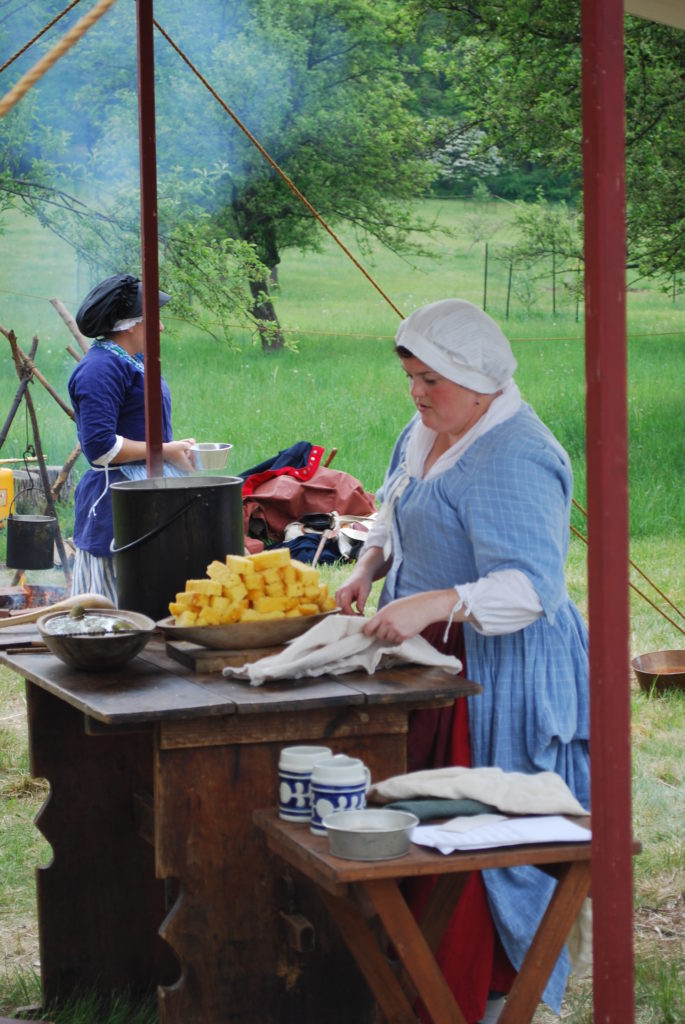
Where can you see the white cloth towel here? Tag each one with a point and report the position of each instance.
(510, 792)
(337, 645)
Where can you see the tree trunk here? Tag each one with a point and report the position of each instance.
(265, 314)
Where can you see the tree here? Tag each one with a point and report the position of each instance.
(516, 69)
(321, 84)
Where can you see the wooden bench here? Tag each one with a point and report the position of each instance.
(345, 886)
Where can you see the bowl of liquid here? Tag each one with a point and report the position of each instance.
(95, 639)
(658, 671)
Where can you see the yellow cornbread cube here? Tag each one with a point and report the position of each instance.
(309, 609)
(305, 573)
(288, 573)
(208, 616)
(271, 559)
(295, 589)
(251, 615)
(221, 604)
(184, 598)
(226, 577)
(186, 618)
(270, 604)
(271, 575)
(239, 564)
(236, 592)
(209, 587)
(253, 581)
(275, 589)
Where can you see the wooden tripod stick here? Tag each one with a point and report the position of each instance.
(21, 371)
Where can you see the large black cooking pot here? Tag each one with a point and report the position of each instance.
(167, 530)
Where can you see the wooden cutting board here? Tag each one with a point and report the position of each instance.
(207, 659)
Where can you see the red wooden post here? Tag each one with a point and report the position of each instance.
(607, 471)
(148, 227)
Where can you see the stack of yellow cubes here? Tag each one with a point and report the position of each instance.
(249, 588)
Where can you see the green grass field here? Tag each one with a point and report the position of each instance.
(341, 387)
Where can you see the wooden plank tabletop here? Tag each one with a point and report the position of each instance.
(153, 686)
(310, 853)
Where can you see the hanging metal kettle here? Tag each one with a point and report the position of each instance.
(30, 541)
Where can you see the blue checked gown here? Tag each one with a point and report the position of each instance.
(505, 504)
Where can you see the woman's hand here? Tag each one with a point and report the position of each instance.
(355, 591)
(370, 567)
(180, 453)
(409, 616)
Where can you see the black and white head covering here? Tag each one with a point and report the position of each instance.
(113, 305)
(460, 342)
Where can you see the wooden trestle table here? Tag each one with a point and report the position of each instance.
(159, 876)
(359, 894)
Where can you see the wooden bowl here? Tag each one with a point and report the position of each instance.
(237, 636)
(97, 653)
(660, 670)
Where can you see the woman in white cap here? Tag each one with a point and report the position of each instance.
(108, 398)
(472, 541)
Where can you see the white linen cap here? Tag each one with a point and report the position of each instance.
(460, 342)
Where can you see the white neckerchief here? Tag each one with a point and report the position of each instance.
(422, 439)
(419, 445)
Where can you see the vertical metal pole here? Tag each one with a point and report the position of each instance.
(607, 473)
(148, 229)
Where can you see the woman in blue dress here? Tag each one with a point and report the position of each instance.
(108, 398)
(472, 541)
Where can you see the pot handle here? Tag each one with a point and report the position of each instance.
(157, 529)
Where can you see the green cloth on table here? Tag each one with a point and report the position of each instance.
(426, 810)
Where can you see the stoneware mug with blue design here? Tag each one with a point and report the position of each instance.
(339, 783)
(294, 773)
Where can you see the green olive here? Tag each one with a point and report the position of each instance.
(122, 626)
(77, 612)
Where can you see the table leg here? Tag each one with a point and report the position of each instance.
(363, 945)
(99, 904)
(572, 888)
(415, 953)
(225, 929)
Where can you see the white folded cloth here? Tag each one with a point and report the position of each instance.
(337, 645)
(510, 792)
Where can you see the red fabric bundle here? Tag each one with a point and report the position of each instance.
(284, 498)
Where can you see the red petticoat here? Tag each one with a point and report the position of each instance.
(470, 954)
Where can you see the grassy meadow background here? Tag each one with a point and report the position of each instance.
(340, 386)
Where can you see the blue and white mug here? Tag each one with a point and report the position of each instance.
(339, 783)
(294, 773)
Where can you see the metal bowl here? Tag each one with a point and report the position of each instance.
(211, 455)
(97, 653)
(660, 670)
(370, 834)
